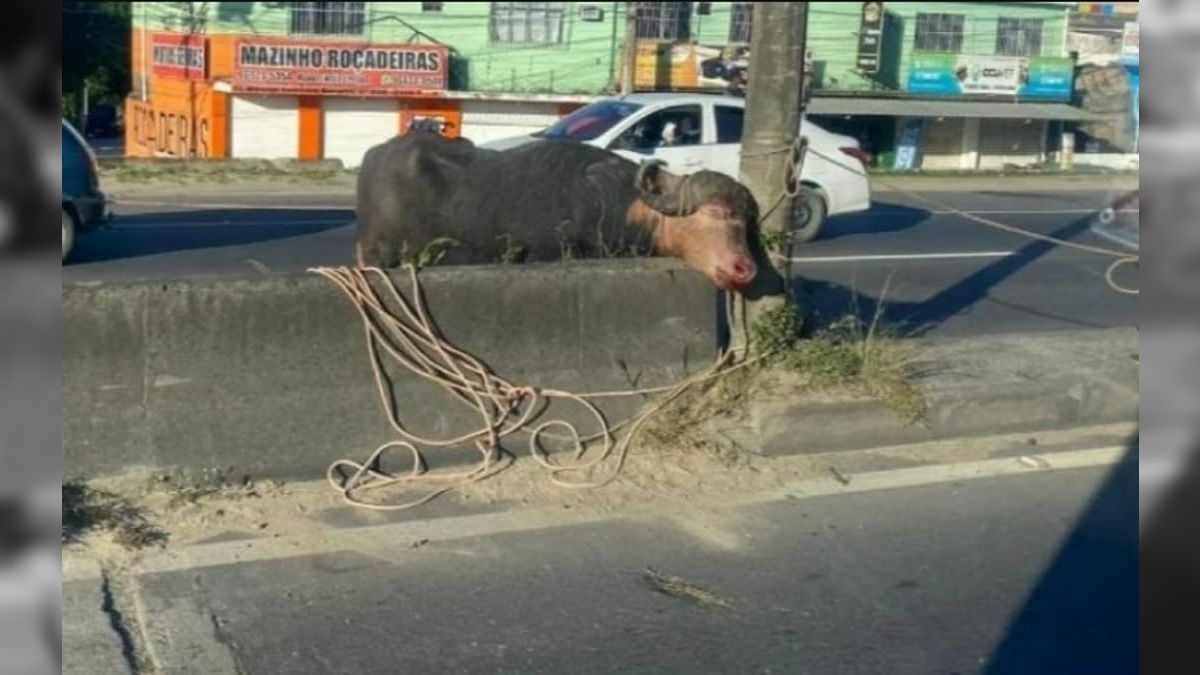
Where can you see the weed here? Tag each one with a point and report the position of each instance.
(513, 253)
(86, 509)
(848, 355)
(433, 252)
(775, 241)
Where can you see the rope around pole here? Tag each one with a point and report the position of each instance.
(403, 327)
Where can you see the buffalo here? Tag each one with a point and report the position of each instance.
(546, 201)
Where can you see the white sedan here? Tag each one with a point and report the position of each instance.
(691, 132)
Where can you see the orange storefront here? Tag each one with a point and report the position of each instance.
(245, 96)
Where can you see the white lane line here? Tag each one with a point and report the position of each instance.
(909, 256)
(989, 212)
(176, 224)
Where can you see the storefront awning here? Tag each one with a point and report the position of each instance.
(829, 105)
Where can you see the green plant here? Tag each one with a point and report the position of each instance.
(433, 252)
(512, 253)
(776, 330)
(774, 241)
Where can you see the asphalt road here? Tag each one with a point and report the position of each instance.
(1026, 573)
(935, 271)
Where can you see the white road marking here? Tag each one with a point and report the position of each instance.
(1001, 212)
(175, 224)
(907, 256)
(450, 528)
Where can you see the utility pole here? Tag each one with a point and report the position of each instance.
(774, 105)
(629, 49)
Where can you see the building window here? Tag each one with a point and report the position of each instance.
(536, 23)
(431, 6)
(328, 18)
(939, 32)
(1019, 37)
(740, 22)
(667, 21)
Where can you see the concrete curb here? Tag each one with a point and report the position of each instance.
(980, 387)
(269, 377)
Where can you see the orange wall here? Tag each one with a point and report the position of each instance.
(180, 118)
(311, 131)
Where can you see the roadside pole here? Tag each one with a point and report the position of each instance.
(629, 49)
(774, 102)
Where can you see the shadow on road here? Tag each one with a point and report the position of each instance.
(146, 234)
(831, 301)
(1082, 615)
(883, 217)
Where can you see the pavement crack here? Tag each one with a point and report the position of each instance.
(120, 623)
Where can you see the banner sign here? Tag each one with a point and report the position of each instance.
(870, 38)
(303, 66)
(179, 55)
(941, 74)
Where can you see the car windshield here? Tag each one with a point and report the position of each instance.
(589, 122)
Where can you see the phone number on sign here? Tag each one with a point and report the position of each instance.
(338, 79)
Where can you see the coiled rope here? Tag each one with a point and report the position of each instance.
(406, 331)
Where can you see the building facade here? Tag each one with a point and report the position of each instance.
(925, 85)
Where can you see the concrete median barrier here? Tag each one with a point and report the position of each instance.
(269, 376)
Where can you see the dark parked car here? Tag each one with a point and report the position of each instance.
(103, 121)
(83, 204)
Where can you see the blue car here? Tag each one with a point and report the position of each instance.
(84, 207)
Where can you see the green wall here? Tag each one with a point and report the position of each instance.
(585, 60)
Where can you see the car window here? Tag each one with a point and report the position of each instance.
(589, 122)
(672, 127)
(72, 153)
(729, 124)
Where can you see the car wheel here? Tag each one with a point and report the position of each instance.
(808, 214)
(68, 233)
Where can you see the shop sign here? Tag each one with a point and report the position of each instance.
(179, 55)
(870, 38)
(973, 75)
(155, 132)
(302, 66)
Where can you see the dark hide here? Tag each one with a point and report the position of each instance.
(546, 200)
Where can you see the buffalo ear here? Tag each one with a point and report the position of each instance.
(650, 177)
(660, 190)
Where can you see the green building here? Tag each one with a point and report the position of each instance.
(923, 84)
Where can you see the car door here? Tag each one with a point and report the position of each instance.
(674, 134)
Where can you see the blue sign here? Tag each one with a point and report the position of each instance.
(940, 74)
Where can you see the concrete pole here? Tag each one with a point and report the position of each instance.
(774, 102)
(629, 49)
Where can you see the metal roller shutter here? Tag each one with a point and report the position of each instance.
(353, 126)
(942, 146)
(265, 127)
(1011, 141)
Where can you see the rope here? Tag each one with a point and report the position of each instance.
(410, 337)
(1122, 258)
(792, 168)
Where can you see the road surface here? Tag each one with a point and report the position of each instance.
(1026, 572)
(937, 272)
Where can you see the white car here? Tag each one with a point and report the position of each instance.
(691, 132)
